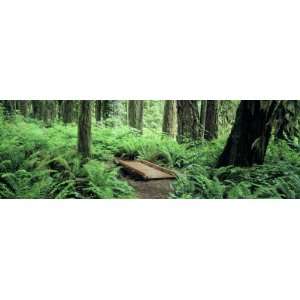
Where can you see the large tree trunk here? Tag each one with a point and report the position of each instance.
(203, 118)
(170, 118)
(211, 123)
(135, 114)
(250, 135)
(68, 111)
(188, 120)
(84, 128)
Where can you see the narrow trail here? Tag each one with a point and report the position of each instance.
(153, 189)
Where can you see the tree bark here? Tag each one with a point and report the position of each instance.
(211, 122)
(135, 114)
(107, 109)
(250, 135)
(24, 107)
(98, 110)
(188, 120)
(9, 107)
(170, 118)
(84, 128)
(68, 111)
(203, 118)
(38, 109)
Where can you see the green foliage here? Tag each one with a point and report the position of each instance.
(279, 177)
(38, 162)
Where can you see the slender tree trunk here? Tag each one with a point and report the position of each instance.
(170, 118)
(24, 107)
(211, 123)
(107, 109)
(98, 110)
(188, 120)
(35, 109)
(68, 111)
(135, 114)
(60, 109)
(203, 118)
(250, 135)
(38, 107)
(84, 128)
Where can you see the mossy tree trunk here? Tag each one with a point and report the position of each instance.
(84, 128)
(136, 114)
(188, 120)
(68, 111)
(250, 135)
(211, 122)
(170, 118)
(203, 118)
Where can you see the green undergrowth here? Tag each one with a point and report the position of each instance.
(278, 178)
(39, 162)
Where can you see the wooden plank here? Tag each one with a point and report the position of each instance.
(146, 170)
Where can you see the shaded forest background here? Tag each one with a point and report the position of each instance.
(219, 149)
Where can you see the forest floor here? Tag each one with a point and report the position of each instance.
(151, 189)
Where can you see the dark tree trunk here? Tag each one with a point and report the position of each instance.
(135, 114)
(170, 118)
(250, 135)
(211, 123)
(68, 111)
(188, 120)
(203, 117)
(9, 107)
(60, 109)
(84, 128)
(107, 109)
(24, 107)
(35, 109)
(49, 111)
(38, 107)
(98, 110)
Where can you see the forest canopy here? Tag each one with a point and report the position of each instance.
(218, 149)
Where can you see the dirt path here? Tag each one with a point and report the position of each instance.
(153, 189)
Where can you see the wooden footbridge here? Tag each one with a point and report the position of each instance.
(146, 170)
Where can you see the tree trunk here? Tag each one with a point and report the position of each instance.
(98, 110)
(9, 107)
(60, 104)
(170, 118)
(24, 108)
(188, 120)
(68, 111)
(211, 123)
(135, 114)
(107, 109)
(250, 135)
(38, 109)
(203, 118)
(35, 109)
(84, 128)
